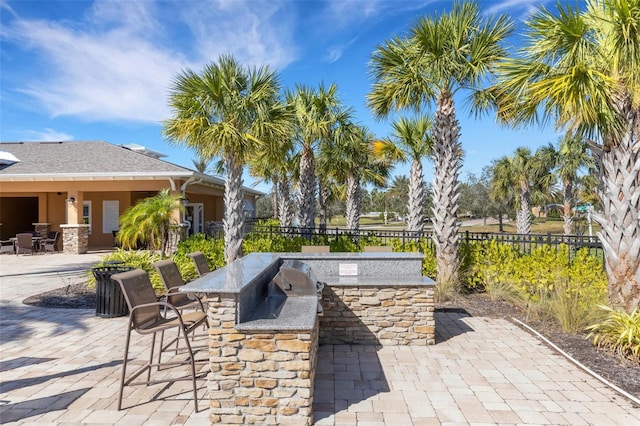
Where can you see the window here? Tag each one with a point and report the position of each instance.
(86, 214)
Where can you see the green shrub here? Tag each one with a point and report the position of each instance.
(619, 332)
(276, 244)
(423, 246)
(211, 248)
(344, 244)
(543, 282)
(139, 259)
(487, 263)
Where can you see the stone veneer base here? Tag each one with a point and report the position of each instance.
(386, 316)
(259, 376)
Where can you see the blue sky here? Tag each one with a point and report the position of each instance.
(100, 70)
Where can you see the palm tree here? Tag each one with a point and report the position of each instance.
(274, 162)
(523, 174)
(570, 157)
(315, 114)
(581, 69)
(225, 112)
(441, 55)
(411, 139)
(396, 196)
(201, 164)
(149, 221)
(328, 187)
(353, 163)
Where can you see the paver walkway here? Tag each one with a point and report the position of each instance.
(60, 366)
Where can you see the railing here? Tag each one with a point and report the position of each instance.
(527, 242)
(332, 233)
(524, 242)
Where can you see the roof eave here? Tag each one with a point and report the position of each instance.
(49, 177)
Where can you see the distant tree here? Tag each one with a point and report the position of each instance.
(411, 141)
(264, 206)
(397, 195)
(521, 174)
(569, 159)
(202, 164)
(475, 196)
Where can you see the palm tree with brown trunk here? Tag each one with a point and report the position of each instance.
(315, 113)
(580, 68)
(226, 111)
(442, 54)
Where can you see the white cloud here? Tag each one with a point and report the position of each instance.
(48, 135)
(335, 52)
(117, 61)
(254, 35)
(504, 6)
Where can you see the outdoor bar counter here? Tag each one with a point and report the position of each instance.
(262, 346)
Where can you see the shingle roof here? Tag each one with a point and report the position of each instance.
(95, 157)
(90, 160)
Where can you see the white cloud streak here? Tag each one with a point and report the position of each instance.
(503, 6)
(118, 61)
(46, 135)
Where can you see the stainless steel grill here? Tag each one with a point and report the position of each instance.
(296, 278)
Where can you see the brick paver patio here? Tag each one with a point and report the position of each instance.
(61, 366)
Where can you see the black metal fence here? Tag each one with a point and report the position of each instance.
(527, 242)
(330, 234)
(524, 242)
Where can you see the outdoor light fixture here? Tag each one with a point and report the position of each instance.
(71, 200)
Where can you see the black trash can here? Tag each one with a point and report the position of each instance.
(110, 302)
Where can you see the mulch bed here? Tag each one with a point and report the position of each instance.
(620, 372)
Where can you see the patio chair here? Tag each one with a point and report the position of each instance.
(201, 263)
(172, 281)
(146, 318)
(51, 242)
(24, 243)
(7, 246)
(378, 249)
(315, 249)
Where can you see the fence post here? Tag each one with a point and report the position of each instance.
(466, 237)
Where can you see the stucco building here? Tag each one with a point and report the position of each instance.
(81, 188)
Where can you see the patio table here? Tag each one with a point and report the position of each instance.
(35, 242)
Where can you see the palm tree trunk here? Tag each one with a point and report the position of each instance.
(353, 202)
(307, 187)
(620, 218)
(523, 217)
(566, 208)
(285, 215)
(415, 221)
(447, 161)
(323, 200)
(233, 220)
(274, 198)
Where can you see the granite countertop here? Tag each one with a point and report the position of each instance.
(236, 276)
(297, 313)
(378, 281)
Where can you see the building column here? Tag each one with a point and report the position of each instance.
(75, 239)
(42, 229)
